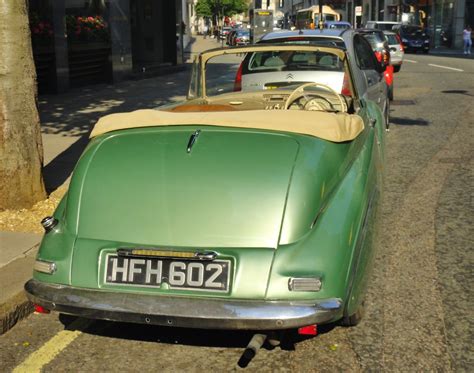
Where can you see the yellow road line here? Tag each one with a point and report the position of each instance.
(46, 353)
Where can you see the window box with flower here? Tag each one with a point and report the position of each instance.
(87, 29)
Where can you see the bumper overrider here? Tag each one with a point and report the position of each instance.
(187, 312)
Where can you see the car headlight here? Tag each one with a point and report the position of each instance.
(404, 40)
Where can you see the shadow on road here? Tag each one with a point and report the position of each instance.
(187, 336)
(409, 121)
(458, 92)
(56, 172)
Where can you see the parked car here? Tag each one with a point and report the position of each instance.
(383, 25)
(224, 31)
(246, 210)
(379, 44)
(341, 25)
(396, 50)
(414, 38)
(241, 37)
(369, 79)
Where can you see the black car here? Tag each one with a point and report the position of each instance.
(414, 38)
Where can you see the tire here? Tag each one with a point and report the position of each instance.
(355, 318)
(390, 92)
(397, 68)
(387, 117)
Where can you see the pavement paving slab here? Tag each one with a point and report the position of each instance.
(16, 244)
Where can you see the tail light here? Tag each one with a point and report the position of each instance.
(308, 330)
(400, 42)
(40, 309)
(238, 79)
(346, 87)
(378, 55)
(386, 57)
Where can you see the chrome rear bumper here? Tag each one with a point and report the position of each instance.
(208, 313)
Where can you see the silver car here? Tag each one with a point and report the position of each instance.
(396, 50)
(368, 72)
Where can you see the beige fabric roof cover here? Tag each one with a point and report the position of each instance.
(336, 127)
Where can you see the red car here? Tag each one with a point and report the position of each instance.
(381, 49)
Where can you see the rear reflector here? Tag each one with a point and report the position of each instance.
(40, 309)
(308, 330)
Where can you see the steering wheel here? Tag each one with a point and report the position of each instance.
(299, 92)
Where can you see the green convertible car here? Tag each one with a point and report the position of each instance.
(251, 205)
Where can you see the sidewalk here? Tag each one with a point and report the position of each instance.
(66, 121)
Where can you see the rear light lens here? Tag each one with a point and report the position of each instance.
(44, 266)
(386, 57)
(238, 79)
(378, 55)
(304, 284)
(308, 330)
(40, 309)
(400, 42)
(346, 87)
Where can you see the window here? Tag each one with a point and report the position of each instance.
(364, 55)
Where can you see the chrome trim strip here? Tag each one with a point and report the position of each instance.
(192, 140)
(207, 313)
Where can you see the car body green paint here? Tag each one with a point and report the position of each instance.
(276, 205)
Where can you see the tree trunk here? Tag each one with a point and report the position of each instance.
(21, 148)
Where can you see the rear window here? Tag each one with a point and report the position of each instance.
(392, 39)
(411, 30)
(374, 40)
(324, 42)
(290, 60)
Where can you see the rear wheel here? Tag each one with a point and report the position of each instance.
(397, 68)
(355, 318)
(387, 116)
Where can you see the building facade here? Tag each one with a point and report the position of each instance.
(443, 20)
(81, 42)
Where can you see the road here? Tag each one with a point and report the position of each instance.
(419, 304)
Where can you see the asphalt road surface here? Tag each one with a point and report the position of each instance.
(420, 301)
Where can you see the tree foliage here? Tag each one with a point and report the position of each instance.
(214, 8)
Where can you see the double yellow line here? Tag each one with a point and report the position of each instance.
(46, 353)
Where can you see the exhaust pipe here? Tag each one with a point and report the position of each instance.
(251, 350)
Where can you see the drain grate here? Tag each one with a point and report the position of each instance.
(403, 102)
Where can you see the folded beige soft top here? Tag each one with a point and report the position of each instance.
(336, 127)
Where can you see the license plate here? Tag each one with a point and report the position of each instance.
(178, 274)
